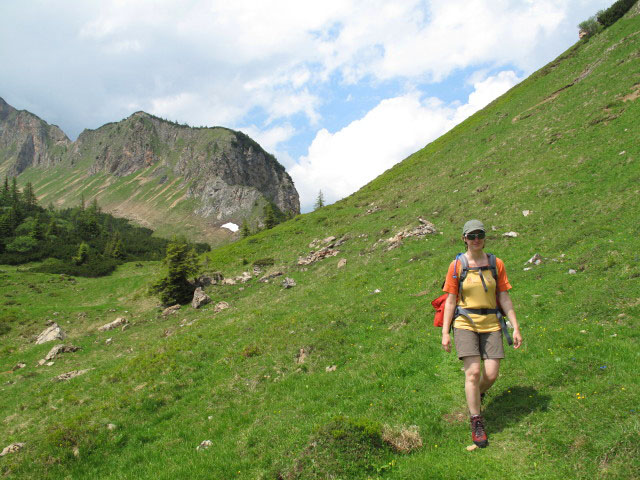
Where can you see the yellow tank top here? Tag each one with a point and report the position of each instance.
(474, 296)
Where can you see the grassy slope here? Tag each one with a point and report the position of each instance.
(565, 406)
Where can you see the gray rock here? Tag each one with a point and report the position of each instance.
(510, 234)
(204, 445)
(288, 282)
(58, 349)
(220, 306)
(572, 271)
(199, 298)
(115, 324)
(13, 448)
(270, 276)
(52, 332)
(536, 259)
(170, 310)
(72, 374)
(313, 257)
(342, 262)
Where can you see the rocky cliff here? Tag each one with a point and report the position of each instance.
(26, 140)
(166, 176)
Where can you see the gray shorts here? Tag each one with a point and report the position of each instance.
(485, 345)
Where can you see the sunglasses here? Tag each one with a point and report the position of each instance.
(473, 236)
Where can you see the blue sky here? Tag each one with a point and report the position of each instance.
(339, 91)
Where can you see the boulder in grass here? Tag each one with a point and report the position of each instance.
(170, 310)
(58, 349)
(70, 375)
(204, 445)
(200, 298)
(13, 448)
(220, 306)
(52, 332)
(115, 324)
(288, 282)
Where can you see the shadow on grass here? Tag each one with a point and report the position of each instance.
(512, 405)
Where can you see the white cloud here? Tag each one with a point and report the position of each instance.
(271, 138)
(340, 163)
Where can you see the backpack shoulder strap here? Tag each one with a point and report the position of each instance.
(493, 266)
(464, 269)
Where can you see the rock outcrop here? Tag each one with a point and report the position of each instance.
(52, 332)
(26, 140)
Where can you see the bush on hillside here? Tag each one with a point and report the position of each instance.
(611, 15)
(94, 267)
(590, 26)
(182, 263)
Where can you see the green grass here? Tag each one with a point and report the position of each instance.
(565, 406)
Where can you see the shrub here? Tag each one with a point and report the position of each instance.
(611, 15)
(590, 26)
(22, 244)
(264, 262)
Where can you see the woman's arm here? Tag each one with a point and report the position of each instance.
(507, 306)
(449, 307)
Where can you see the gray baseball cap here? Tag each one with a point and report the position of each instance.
(472, 226)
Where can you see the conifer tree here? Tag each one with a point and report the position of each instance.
(6, 227)
(29, 197)
(244, 230)
(83, 254)
(37, 231)
(269, 216)
(319, 201)
(14, 194)
(52, 228)
(5, 194)
(182, 262)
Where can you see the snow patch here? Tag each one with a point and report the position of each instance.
(231, 226)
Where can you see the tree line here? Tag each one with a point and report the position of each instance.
(81, 240)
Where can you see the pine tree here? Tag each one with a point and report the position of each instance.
(83, 254)
(52, 228)
(269, 216)
(5, 194)
(37, 230)
(244, 230)
(319, 201)
(6, 227)
(182, 262)
(29, 196)
(14, 194)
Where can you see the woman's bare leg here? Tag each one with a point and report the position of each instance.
(472, 374)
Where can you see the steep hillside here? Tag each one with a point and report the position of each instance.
(299, 382)
(165, 176)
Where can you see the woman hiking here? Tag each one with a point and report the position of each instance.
(477, 328)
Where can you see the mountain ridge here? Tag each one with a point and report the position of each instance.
(194, 177)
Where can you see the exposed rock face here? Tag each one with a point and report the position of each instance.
(26, 140)
(222, 175)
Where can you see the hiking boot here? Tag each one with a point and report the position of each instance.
(478, 435)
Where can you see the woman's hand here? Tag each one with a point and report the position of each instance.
(517, 338)
(446, 342)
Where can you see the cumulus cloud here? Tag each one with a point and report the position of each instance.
(231, 58)
(340, 163)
